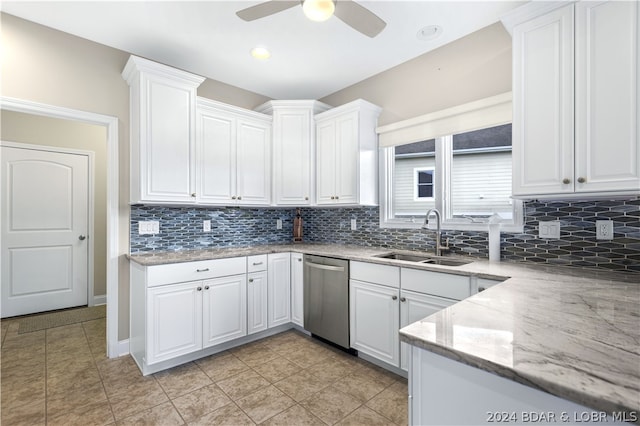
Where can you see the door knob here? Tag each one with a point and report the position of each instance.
(82, 237)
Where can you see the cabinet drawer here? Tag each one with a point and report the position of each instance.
(456, 287)
(257, 263)
(375, 273)
(193, 271)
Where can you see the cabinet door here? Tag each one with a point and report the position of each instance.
(326, 162)
(256, 302)
(217, 153)
(607, 114)
(347, 159)
(253, 162)
(174, 320)
(374, 323)
(414, 307)
(279, 285)
(167, 142)
(224, 309)
(292, 156)
(297, 289)
(543, 118)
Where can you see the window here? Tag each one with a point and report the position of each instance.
(423, 184)
(466, 176)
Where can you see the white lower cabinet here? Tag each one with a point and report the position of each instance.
(297, 289)
(375, 316)
(413, 307)
(224, 309)
(256, 302)
(279, 289)
(174, 319)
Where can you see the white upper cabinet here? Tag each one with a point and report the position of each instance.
(293, 147)
(234, 155)
(346, 155)
(575, 97)
(162, 139)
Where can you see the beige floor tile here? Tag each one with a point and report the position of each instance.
(331, 369)
(163, 414)
(61, 403)
(308, 356)
(294, 416)
(277, 369)
(360, 386)
(96, 413)
(331, 405)
(136, 398)
(392, 403)
(302, 385)
(19, 392)
(364, 416)
(73, 381)
(69, 358)
(220, 367)
(230, 414)
(65, 368)
(380, 374)
(243, 384)
(115, 368)
(31, 414)
(182, 379)
(265, 403)
(23, 372)
(200, 402)
(257, 355)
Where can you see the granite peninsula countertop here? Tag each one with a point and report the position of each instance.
(574, 333)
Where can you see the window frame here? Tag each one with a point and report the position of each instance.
(442, 187)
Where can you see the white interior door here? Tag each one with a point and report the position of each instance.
(44, 261)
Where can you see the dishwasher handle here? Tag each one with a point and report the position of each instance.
(327, 267)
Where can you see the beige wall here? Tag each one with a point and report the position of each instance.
(48, 66)
(39, 130)
(471, 68)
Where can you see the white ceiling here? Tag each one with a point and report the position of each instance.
(309, 59)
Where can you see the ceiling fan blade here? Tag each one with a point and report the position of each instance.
(359, 18)
(265, 9)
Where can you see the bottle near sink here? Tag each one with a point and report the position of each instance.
(494, 238)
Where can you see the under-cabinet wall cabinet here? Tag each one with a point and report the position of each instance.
(293, 150)
(233, 155)
(162, 138)
(575, 97)
(347, 155)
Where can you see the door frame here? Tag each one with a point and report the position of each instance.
(114, 347)
(90, 200)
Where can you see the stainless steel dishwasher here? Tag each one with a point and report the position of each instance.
(326, 298)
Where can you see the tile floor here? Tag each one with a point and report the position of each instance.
(61, 376)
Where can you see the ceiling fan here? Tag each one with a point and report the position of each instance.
(351, 13)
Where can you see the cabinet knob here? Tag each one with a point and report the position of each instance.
(206, 287)
(394, 297)
(250, 280)
(233, 198)
(481, 289)
(299, 260)
(82, 237)
(566, 181)
(333, 198)
(193, 194)
(581, 180)
(239, 198)
(306, 198)
(199, 289)
(403, 299)
(337, 197)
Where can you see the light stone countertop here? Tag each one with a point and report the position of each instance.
(574, 333)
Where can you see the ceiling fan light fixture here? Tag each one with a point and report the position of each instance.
(260, 52)
(318, 10)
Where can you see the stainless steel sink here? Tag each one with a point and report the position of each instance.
(433, 260)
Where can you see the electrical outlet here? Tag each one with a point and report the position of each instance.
(604, 230)
(278, 223)
(353, 225)
(148, 227)
(206, 226)
(549, 229)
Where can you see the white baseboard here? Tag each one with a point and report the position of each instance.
(123, 347)
(99, 300)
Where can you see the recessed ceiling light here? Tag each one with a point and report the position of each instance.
(260, 52)
(430, 32)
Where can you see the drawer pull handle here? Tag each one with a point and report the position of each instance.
(202, 270)
(257, 263)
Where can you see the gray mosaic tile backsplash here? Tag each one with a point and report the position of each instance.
(181, 229)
